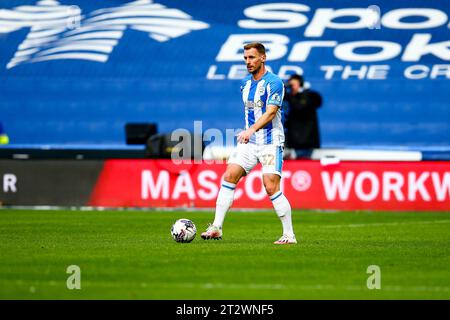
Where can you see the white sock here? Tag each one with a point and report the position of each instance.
(283, 210)
(224, 202)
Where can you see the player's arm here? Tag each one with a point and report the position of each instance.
(268, 116)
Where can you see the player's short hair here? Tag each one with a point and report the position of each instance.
(257, 45)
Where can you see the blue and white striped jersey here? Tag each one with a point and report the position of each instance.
(257, 95)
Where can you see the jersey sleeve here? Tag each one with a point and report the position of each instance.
(276, 93)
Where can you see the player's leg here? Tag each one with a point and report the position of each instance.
(271, 158)
(225, 198)
(240, 163)
(281, 206)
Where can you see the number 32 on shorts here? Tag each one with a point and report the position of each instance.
(268, 160)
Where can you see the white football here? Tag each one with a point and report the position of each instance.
(183, 230)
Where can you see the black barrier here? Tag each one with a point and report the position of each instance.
(48, 182)
(41, 153)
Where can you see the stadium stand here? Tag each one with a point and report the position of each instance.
(173, 79)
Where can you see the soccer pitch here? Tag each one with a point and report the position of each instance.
(131, 255)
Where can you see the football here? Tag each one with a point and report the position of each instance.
(183, 230)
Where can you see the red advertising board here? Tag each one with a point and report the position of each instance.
(307, 184)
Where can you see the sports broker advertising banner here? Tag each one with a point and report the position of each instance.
(161, 183)
(381, 66)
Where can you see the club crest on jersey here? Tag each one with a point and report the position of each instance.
(261, 90)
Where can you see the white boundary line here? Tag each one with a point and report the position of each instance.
(150, 209)
(382, 224)
(194, 209)
(238, 286)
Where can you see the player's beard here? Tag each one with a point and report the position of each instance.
(256, 70)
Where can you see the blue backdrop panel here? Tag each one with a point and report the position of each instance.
(157, 56)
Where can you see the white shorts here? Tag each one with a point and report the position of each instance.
(248, 155)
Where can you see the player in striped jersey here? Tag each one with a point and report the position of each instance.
(261, 141)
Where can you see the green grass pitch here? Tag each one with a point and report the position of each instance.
(130, 255)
